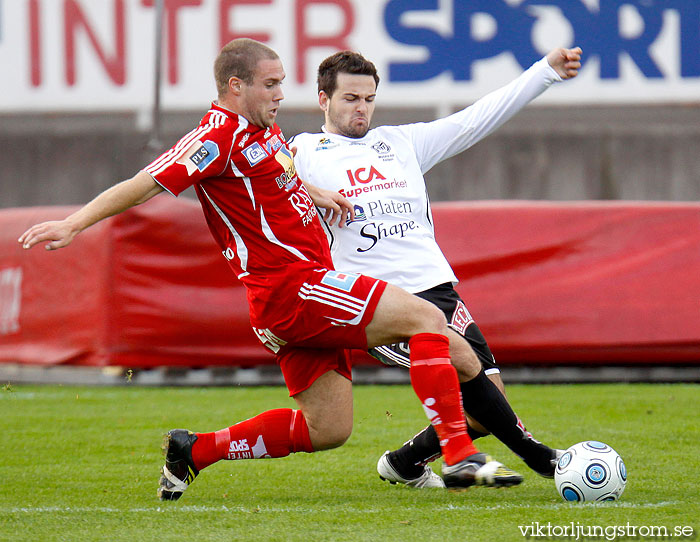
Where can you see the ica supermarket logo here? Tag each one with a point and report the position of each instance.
(364, 176)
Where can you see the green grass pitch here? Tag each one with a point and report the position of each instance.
(82, 463)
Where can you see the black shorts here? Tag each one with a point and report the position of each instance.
(446, 298)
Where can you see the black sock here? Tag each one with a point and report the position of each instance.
(410, 459)
(485, 403)
(474, 434)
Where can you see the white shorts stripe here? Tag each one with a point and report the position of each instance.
(353, 303)
(358, 318)
(393, 356)
(330, 303)
(336, 292)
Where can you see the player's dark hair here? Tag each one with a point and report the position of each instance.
(239, 58)
(343, 62)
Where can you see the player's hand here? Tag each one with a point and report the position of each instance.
(337, 207)
(566, 62)
(58, 233)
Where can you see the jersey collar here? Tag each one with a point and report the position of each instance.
(240, 118)
(366, 137)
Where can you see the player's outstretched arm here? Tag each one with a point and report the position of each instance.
(565, 62)
(114, 200)
(336, 206)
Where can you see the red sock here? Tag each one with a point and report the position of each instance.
(435, 382)
(275, 433)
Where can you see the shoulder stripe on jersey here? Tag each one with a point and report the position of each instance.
(176, 149)
(174, 154)
(241, 249)
(269, 234)
(184, 142)
(217, 118)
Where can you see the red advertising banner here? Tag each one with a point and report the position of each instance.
(146, 288)
(571, 283)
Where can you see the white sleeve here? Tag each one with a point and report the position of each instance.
(300, 158)
(438, 140)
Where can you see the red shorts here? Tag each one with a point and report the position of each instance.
(315, 317)
(302, 366)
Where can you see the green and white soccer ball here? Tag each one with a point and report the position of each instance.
(590, 471)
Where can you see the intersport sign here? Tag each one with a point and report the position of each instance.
(99, 54)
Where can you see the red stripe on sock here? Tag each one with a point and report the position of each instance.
(299, 433)
(429, 346)
(222, 438)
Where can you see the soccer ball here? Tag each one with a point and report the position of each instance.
(590, 471)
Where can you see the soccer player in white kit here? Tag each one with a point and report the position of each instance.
(391, 234)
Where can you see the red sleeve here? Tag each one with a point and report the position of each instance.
(202, 153)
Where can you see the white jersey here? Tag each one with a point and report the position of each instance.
(392, 236)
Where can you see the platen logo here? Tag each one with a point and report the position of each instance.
(372, 209)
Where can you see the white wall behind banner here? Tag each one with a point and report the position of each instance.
(77, 55)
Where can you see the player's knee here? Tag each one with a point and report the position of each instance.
(464, 359)
(432, 319)
(329, 429)
(466, 369)
(330, 437)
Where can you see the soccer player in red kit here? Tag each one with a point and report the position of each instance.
(265, 222)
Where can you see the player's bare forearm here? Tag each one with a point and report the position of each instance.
(114, 200)
(566, 62)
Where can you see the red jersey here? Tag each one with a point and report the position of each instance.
(256, 207)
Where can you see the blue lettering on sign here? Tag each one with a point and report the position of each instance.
(341, 281)
(596, 31)
(689, 12)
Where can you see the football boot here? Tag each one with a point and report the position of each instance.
(179, 470)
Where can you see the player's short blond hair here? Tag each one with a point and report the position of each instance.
(239, 58)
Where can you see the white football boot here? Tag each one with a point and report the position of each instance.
(426, 480)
